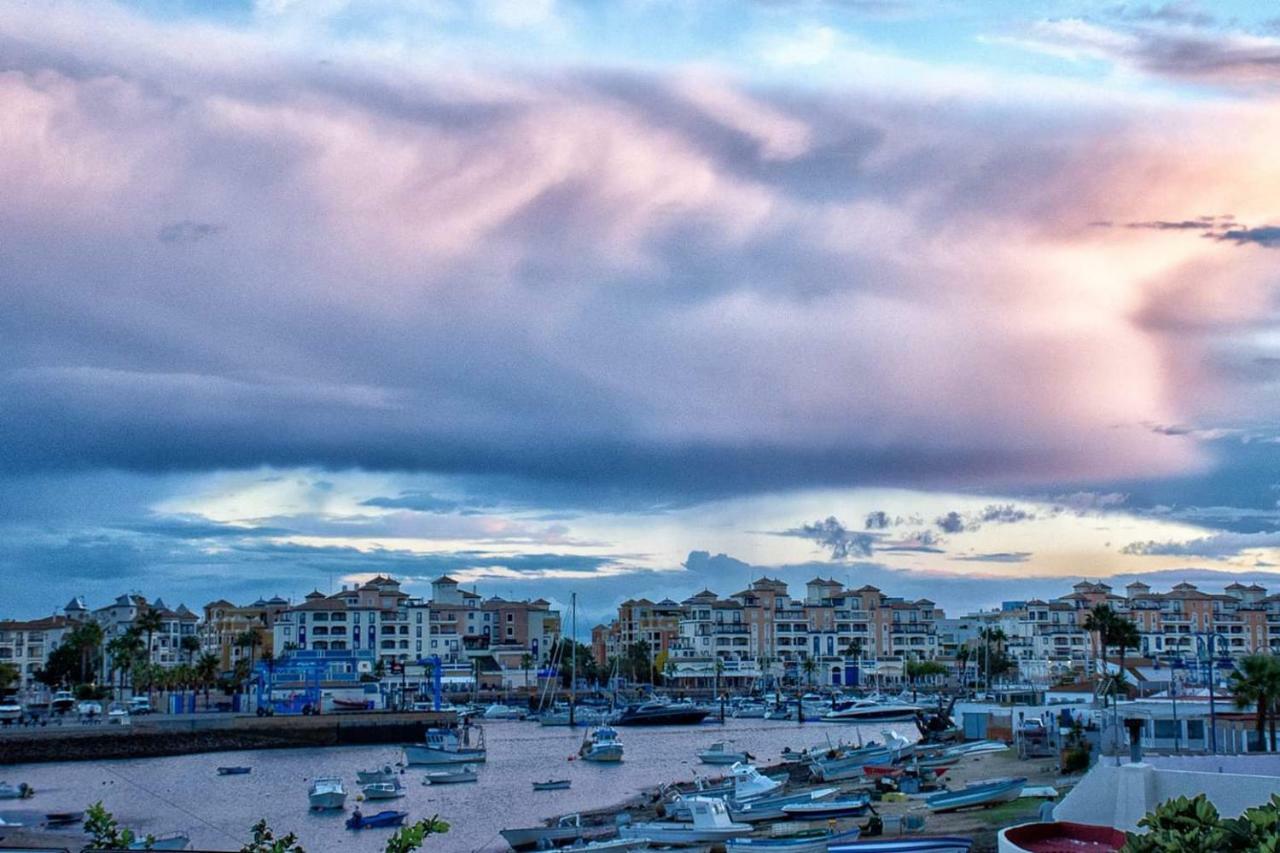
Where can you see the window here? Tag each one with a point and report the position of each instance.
(511, 617)
(1195, 730)
(1165, 729)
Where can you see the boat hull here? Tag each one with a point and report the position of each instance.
(817, 844)
(940, 844)
(427, 756)
(521, 839)
(555, 785)
(976, 796)
(328, 801)
(826, 810)
(665, 833)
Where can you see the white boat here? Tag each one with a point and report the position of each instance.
(711, 822)
(749, 786)
(20, 791)
(173, 841)
(868, 711)
(569, 828)
(719, 753)
(749, 711)
(62, 702)
(601, 744)
(498, 711)
(385, 774)
(10, 711)
(465, 773)
(447, 746)
(327, 792)
(613, 845)
(804, 841)
(772, 808)
(382, 790)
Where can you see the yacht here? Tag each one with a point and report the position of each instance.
(711, 823)
(447, 746)
(658, 713)
(601, 744)
(327, 792)
(868, 711)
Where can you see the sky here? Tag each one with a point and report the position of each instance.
(966, 300)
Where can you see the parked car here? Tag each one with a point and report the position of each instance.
(139, 705)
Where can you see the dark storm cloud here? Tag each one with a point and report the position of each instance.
(920, 542)
(427, 502)
(1267, 236)
(831, 534)
(952, 522)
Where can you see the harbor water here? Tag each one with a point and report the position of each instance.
(159, 796)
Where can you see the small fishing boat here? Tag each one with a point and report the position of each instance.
(552, 785)
(327, 792)
(985, 794)
(234, 771)
(826, 809)
(613, 845)
(447, 746)
(938, 844)
(749, 711)
(711, 822)
(385, 774)
(465, 773)
(569, 828)
(601, 744)
(373, 821)
(808, 841)
(719, 753)
(63, 818)
(173, 841)
(20, 791)
(771, 808)
(382, 790)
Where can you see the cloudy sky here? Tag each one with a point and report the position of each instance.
(962, 299)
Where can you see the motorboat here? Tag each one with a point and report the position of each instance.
(601, 744)
(869, 711)
(173, 841)
(827, 809)
(805, 841)
(63, 818)
(237, 770)
(749, 711)
(658, 713)
(977, 747)
(938, 844)
(10, 711)
(781, 712)
(719, 753)
(498, 711)
(771, 808)
(382, 790)
(465, 773)
(447, 746)
(62, 702)
(1060, 835)
(711, 822)
(567, 829)
(386, 818)
(384, 774)
(327, 792)
(581, 717)
(984, 794)
(20, 791)
(552, 785)
(849, 765)
(352, 704)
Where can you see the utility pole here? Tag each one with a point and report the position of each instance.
(573, 652)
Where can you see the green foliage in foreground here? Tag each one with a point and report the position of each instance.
(104, 833)
(1194, 826)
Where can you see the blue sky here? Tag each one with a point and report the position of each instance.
(632, 298)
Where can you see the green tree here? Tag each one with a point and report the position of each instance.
(125, 650)
(1100, 622)
(1124, 636)
(103, 831)
(526, 663)
(191, 645)
(1256, 681)
(1194, 826)
(265, 841)
(410, 838)
(854, 648)
(963, 655)
(250, 640)
(148, 621)
(206, 670)
(9, 675)
(917, 669)
(810, 666)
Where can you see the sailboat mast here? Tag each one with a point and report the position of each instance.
(573, 652)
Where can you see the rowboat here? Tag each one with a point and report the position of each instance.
(825, 809)
(387, 818)
(811, 841)
(771, 808)
(552, 785)
(985, 794)
(234, 771)
(939, 844)
(466, 773)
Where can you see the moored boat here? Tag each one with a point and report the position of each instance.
(827, 809)
(384, 774)
(234, 771)
(382, 790)
(601, 744)
(384, 818)
(327, 792)
(63, 818)
(655, 713)
(711, 822)
(20, 791)
(719, 753)
(937, 844)
(453, 776)
(869, 711)
(569, 828)
(983, 794)
(447, 746)
(771, 808)
(552, 785)
(809, 841)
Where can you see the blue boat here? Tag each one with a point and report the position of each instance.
(387, 818)
(939, 844)
(985, 794)
(826, 809)
(814, 841)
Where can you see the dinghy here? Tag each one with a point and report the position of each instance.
(552, 785)
(387, 818)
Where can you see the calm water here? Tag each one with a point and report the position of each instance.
(184, 793)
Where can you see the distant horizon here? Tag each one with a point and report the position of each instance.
(557, 295)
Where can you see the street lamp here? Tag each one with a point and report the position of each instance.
(1207, 641)
(1174, 668)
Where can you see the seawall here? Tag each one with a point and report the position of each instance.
(212, 733)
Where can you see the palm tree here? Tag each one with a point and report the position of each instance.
(1256, 681)
(1125, 636)
(1100, 622)
(917, 669)
(526, 663)
(989, 636)
(149, 621)
(250, 640)
(125, 650)
(207, 673)
(88, 639)
(810, 666)
(962, 662)
(191, 645)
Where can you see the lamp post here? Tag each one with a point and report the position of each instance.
(1173, 696)
(1207, 641)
